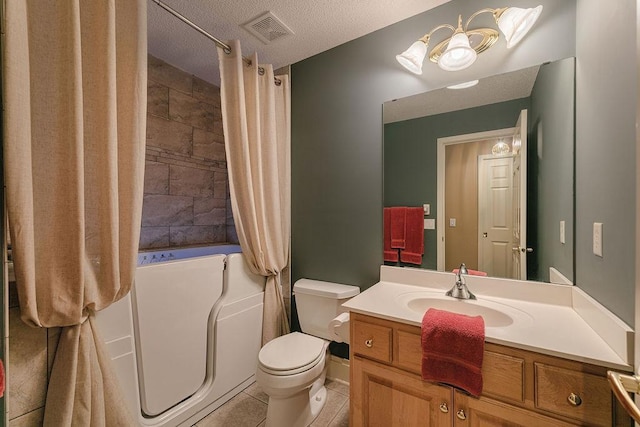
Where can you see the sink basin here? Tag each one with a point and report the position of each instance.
(495, 314)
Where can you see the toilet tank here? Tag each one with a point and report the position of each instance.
(318, 303)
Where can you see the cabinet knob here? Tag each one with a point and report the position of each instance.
(574, 399)
(444, 408)
(461, 415)
(369, 343)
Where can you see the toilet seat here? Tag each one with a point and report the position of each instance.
(291, 354)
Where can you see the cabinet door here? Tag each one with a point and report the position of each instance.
(471, 412)
(388, 397)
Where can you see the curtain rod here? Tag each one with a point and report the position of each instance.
(225, 47)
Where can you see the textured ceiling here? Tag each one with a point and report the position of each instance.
(317, 26)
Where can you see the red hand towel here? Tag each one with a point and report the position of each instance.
(452, 349)
(389, 254)
(398, 226)
(414, 237)
(471, 272)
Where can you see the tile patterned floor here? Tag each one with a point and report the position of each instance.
(249, 409)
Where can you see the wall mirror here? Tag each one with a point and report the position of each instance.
(435, 146)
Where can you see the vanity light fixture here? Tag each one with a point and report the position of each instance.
(456, 52)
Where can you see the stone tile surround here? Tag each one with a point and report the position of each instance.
(186, 196)
(29, 362)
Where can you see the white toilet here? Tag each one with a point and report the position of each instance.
(292, 368)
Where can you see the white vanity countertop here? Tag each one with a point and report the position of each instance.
(547, 320)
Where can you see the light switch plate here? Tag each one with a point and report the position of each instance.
(427, 208)
(597, 238)
(452, 222)
(429, 224)
(562, 232)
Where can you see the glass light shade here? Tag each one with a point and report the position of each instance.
(412, 58)
(500, 148)
(517, 143)
(515, 23)
(459, 54)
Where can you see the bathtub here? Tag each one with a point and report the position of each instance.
(186, 338)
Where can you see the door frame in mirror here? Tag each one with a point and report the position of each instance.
(442, 143)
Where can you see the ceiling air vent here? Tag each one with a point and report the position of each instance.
(267, 28)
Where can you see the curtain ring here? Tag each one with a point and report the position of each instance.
(227, 50)
(261, 71)
(278, 82)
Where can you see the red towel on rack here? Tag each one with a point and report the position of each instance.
(452, 349)
(398, 226)
(389, 254)
(414, 236)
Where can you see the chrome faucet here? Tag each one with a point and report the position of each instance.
(460, 289)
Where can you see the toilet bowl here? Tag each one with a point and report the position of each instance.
(292, 368)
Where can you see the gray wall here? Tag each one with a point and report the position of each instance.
(336, 148)
(551, 173)
(410, 155)
(606, 79)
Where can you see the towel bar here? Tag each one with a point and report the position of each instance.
(622, 385)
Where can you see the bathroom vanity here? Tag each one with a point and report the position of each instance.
(545, 361)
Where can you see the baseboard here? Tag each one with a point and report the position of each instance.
(338, 369)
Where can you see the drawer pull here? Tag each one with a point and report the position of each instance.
(369, 343)
(444, 408)
(574, 399)
(461, 415)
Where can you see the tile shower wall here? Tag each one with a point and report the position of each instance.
(186, 197)
(29, 360)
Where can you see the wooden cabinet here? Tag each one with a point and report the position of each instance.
(390, 397)
(521, 388)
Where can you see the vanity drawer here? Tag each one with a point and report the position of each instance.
(574, 394)
(503, 376)
(372, 341)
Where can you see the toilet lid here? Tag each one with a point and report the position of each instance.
(291, 352)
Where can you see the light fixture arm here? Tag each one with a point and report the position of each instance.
(495, 12)
(425, 39)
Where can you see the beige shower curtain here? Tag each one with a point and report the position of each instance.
(256, 118)
(74, 121)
